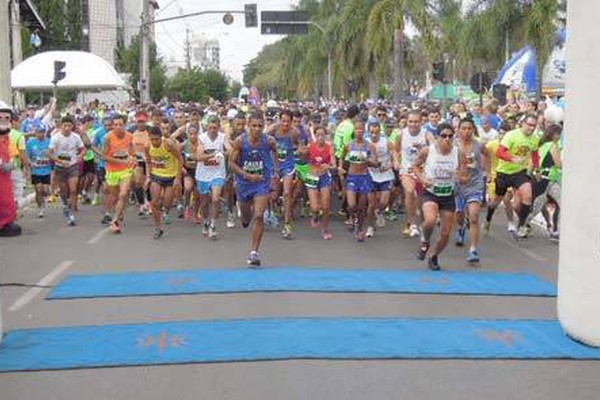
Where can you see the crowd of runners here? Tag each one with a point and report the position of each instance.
(224, 165)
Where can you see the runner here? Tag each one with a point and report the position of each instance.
(318, 181)
(441, 167)
(37, 153)
(301, 165)
(287, 139)
(238, 128)
(360, 155)
(189, 153)
(410, 143)
(140, 141)
(517, 150)
(254, 160)
(163, 168)
(382, 177)
(119, 161)
(101, 187)
(471, 194)
(211, 174)
(86, 182)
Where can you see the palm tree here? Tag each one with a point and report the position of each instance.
(385, 34)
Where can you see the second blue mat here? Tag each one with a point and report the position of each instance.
(301, 280)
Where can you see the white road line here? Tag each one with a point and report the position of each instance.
(45, 281)
(98, 236)
(527, 252)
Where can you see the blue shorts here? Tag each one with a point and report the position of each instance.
(359, 183)
(323, 182)
(462, 200)
(382, 186)
(286, 168)
(247, 192)
(206, 187)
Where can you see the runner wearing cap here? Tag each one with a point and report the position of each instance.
(37, 152)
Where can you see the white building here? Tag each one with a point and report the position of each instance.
(205, 52)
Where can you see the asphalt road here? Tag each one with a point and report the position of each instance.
(50, 249)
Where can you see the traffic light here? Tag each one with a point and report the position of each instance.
(438, 71)
(499, 92)
(251, 15)
(59, 72)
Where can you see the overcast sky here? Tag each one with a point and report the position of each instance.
(238, 43)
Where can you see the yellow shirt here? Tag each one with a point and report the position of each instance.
(492, 148)
(164, 164)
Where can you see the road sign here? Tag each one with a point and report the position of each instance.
(480, 82)
(283, 29)
(284, 16)
(251, 15)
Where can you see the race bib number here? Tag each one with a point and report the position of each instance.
(120, 155)
(443, 190)
(282, 153)
(312, 181)
(253, 167)
(357, 157)
(159, 163)
(64, 157)
(41, 162)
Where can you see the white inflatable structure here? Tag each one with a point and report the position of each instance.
(579, 269)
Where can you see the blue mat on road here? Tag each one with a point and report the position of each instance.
(286, 338)
(301, 280)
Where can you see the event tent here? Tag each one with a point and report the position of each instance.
(521, 69)
(84, 71)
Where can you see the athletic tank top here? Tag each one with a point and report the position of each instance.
(255, 160)
(411, 146)
(188, 151)
(285, 149)
(384, 156)
(164, 164)
(440, 170)
(211, 169)
(475, 184)
(319, 156)
(357, 155)
(118, 148)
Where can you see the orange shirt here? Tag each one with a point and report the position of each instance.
(120, 148)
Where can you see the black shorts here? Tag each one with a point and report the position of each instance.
(101, 175)
(504, 181)
(445, 203)
(37, 179)
(162, 181)
(89, 167)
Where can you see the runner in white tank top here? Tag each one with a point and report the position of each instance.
(442, 165)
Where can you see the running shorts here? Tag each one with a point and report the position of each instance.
(504, 181)
(359, 183)
(444, 203)
(206, 187)
(117, 177)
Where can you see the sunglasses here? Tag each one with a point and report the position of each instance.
(445, 136)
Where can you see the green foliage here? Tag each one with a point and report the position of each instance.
(63, 21)
(198, 85)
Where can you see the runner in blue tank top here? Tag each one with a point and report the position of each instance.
(287, 138)
(254, 161)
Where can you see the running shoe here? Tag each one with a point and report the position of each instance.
(180, 211)
(157, 233)
(512, 227)
(414, 231)
(115, 226)
(460, 236)
(66, 211)
(433, 263)
(406, 231)
(141, 211)
(327, 234)
(253, 259)
(555, 236)
(205, 228)
(521, 233)
(96, 200)
(379, 219)
(423, 251)
(106, 219)
(71, 220)
(230, 220)
(212, 232)
(166, 218)
(473, 256)
(41, 213)
(287, 231)
(370, 232)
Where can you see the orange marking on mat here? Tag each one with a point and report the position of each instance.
(162, 341)
(507, 338)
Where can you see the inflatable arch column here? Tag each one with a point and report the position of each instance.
(579, 266)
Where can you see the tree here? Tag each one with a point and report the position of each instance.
(128, 61)
(188, 85)
(216, 84)
(234, 88)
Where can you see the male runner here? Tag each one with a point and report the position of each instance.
(254, 160)
(37, 153)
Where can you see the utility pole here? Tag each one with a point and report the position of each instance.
(17, 48)
(5, 90)
(144, 84)
(188, 53)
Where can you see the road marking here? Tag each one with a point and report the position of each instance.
(527, 252)
(45, 281)
(98, 236)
